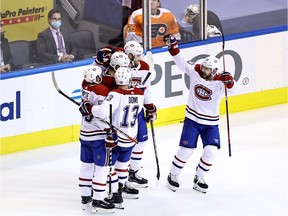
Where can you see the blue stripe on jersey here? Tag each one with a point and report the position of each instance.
(177, 165)
(80, 185)
(206, 170)
(133, 158)
(122, 177)
(97, 190)
(92, 133)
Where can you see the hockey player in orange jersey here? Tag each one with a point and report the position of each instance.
(162, 22)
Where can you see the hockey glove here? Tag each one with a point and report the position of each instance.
(85, 108)
(150, 112)
(227, 79)
(112, 140)
(103, 56)
(172, 44)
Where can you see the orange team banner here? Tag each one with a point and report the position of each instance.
(24, 19)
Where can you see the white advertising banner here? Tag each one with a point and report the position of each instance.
(31, 103)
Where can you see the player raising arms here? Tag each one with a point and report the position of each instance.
(140, 72)
(207, 87)
(126, 104)
(94, 169)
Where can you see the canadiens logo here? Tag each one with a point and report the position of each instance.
(202, 92)
(185, 142)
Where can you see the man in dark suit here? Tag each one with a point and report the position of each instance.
(54, 44)
(6, 58)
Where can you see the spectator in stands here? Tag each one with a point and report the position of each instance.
(162, 22)
(192, 16)
(6, 58)
(214, 27)
(128, 6)
(190, 12)
(54, 44)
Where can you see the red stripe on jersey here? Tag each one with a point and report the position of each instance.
(97, 183)
(83, 179)
(98, 89)
(143, 65)
(202, 114)
(132, 91)
(121, 170)
(205, 162)
(179, 159)
(137, 152)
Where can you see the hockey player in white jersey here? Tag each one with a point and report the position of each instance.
(207, 87)
(126, 104)
(94, 168)
(140, 78)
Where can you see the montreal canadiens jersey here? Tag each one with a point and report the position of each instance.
(108, 80)
(204, 96)
(162, 24)
(139, 73)
(126, 105)
(91, 128)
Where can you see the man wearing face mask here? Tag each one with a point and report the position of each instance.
(54, 44)
(6, 58)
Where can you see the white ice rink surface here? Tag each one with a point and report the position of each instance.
(253, 182)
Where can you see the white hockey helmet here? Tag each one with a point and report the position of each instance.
(134, 48)
(190, 12)
(212, 63)
(91, 73)
(119, 59)
(123, 76)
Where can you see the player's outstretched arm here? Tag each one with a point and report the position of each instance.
(172, 44)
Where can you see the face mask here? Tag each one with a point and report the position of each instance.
(56, 24)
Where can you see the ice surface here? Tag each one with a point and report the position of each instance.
(252, 182)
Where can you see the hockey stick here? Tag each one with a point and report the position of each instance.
(110, 154)
(146, 78)
(59, 90)
(78, 104)
(149, 56)
(151, 67)
(155, 149)
(226, 96)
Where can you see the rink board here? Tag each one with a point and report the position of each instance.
(34, 114)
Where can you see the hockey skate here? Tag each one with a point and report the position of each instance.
(172, 182)
(116, 198)
(86, 201)
(200, 185)
(102, 207)
(130, 192)
(136, 180)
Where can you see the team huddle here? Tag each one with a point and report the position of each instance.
(116, 106)
(116, 89)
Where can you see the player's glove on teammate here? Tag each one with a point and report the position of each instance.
(112, 139)
(227, 79)
(85, 108)
(172, 44)
(150, 112)
(103, 56)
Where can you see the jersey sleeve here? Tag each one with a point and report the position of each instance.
(133, 29)
(103, 111)
(183, 65)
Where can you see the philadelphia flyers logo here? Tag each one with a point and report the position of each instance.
(202, 92)
(158, 29)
